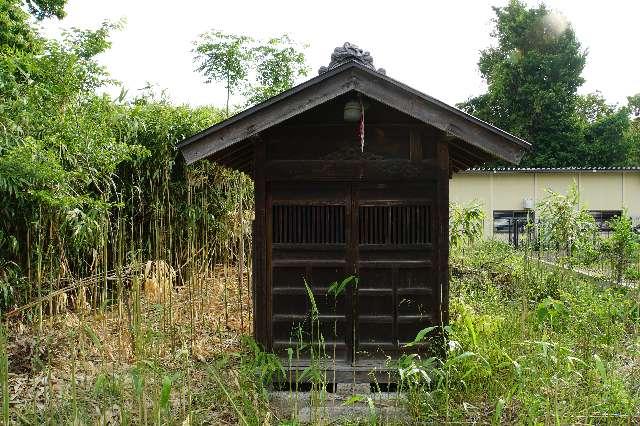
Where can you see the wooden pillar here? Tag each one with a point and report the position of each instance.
(442, 153)
(260, 296)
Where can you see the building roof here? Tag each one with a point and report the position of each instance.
(230, 141)
(482, 170)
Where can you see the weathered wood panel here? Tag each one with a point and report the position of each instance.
(324, 170)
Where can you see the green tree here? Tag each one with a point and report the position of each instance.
(16, 35)
(46, 8)
(59, 153)
(593, 107)
(633, 102)
(15, 30)
(603, 129)
(224, 57)
(262, 68)
(59, 149)
(278, 63)
(533, 73)
(632, 135)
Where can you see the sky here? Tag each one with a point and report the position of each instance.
(430, 45)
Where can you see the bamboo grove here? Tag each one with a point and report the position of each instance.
(94, 194)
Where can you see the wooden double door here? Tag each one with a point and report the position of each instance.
(381, 233)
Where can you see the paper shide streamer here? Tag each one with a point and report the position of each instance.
(361, 126)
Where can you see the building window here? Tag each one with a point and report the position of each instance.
(603, 216)
(505, 221)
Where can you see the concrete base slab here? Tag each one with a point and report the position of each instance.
(352, 402)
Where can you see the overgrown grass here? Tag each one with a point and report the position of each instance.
(529, 344)
(526, 344)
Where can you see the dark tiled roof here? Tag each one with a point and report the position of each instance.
(550, 169)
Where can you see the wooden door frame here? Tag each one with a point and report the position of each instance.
(428, 197)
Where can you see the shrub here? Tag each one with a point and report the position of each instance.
(632, 274)
(564, 223)
(465, 223)
(621, 248)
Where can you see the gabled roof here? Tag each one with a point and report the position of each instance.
(466, 131)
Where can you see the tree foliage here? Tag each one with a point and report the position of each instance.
(632, 134)
(224, 57)
(278, 64)
(59, 149)
(46, 8)
(261, 69)
(603, 128)
(16, 35)
(533, 74)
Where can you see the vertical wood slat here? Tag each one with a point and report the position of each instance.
(325, 233)
(334, 229)
(389, 238)
(429, 227)
(394, 225)
(308, 224)
(415, 236)
(303, 225)
(406, 234)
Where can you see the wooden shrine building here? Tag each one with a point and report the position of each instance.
(351, 172)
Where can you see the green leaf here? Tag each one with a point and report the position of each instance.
(93, 336)
(353, 399)
(337, 288)
(167, 382)
(602, 371)
(497, 415)
(420, 336)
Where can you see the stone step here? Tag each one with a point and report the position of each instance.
(349, 402)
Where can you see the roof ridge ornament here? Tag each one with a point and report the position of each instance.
(350, 52)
